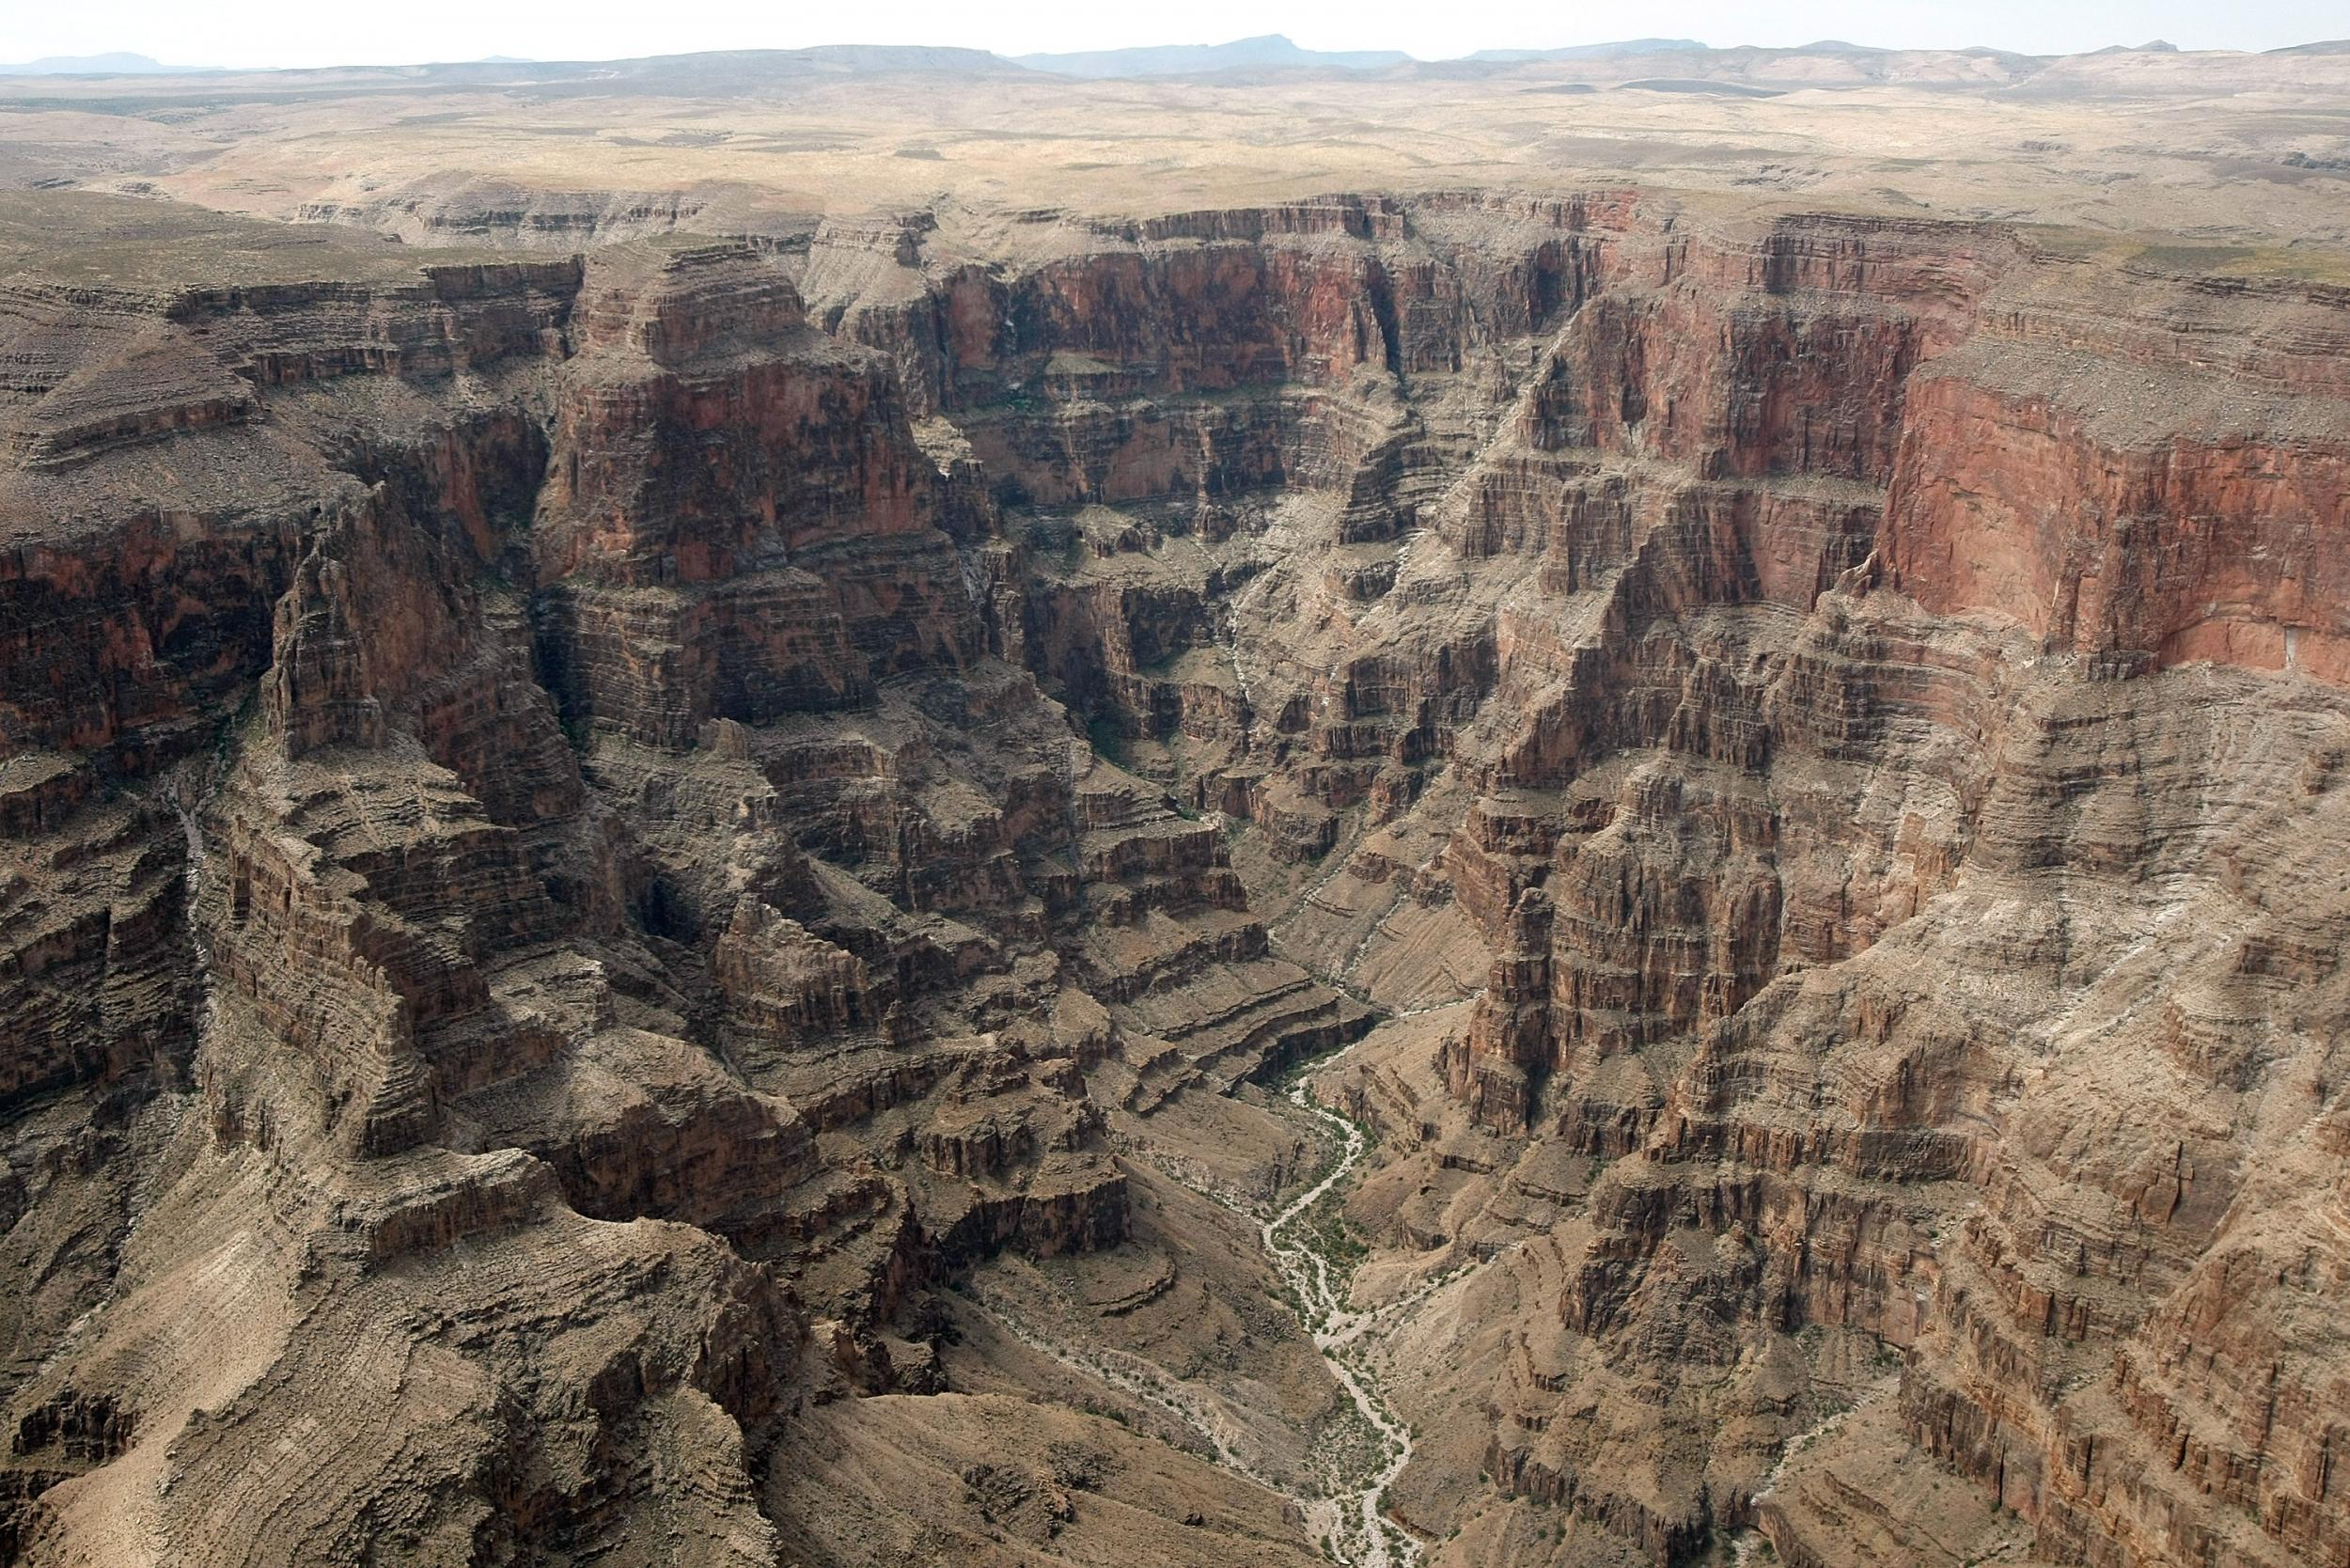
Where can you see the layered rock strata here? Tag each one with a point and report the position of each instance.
(588, 838)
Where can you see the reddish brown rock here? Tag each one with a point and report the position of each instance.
(556, 891)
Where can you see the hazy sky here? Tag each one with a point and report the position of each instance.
(337, 32)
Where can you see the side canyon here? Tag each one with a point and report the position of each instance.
(660, 890)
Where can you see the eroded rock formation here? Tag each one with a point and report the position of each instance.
(591, 841)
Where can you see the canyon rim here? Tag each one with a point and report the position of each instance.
(873, 807)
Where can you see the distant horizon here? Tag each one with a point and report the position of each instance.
(132, 62)
(274, 34)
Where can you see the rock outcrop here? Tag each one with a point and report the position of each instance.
(586, 839)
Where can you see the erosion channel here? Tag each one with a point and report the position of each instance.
(1353, 1522)
(781, 801)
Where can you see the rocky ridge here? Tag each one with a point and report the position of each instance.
(587, 835)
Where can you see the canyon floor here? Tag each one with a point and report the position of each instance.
(851, 807)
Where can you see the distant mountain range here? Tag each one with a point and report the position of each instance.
(116, 64)
(1270, 51)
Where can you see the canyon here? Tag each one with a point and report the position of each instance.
(1579, 869)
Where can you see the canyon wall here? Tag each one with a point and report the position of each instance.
(588, 837)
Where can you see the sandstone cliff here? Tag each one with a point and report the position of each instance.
(620, 868)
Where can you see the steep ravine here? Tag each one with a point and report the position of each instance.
(766, 795)
(1344, 1513)
(1353, 1521)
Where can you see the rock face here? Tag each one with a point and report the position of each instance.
(588, 841)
